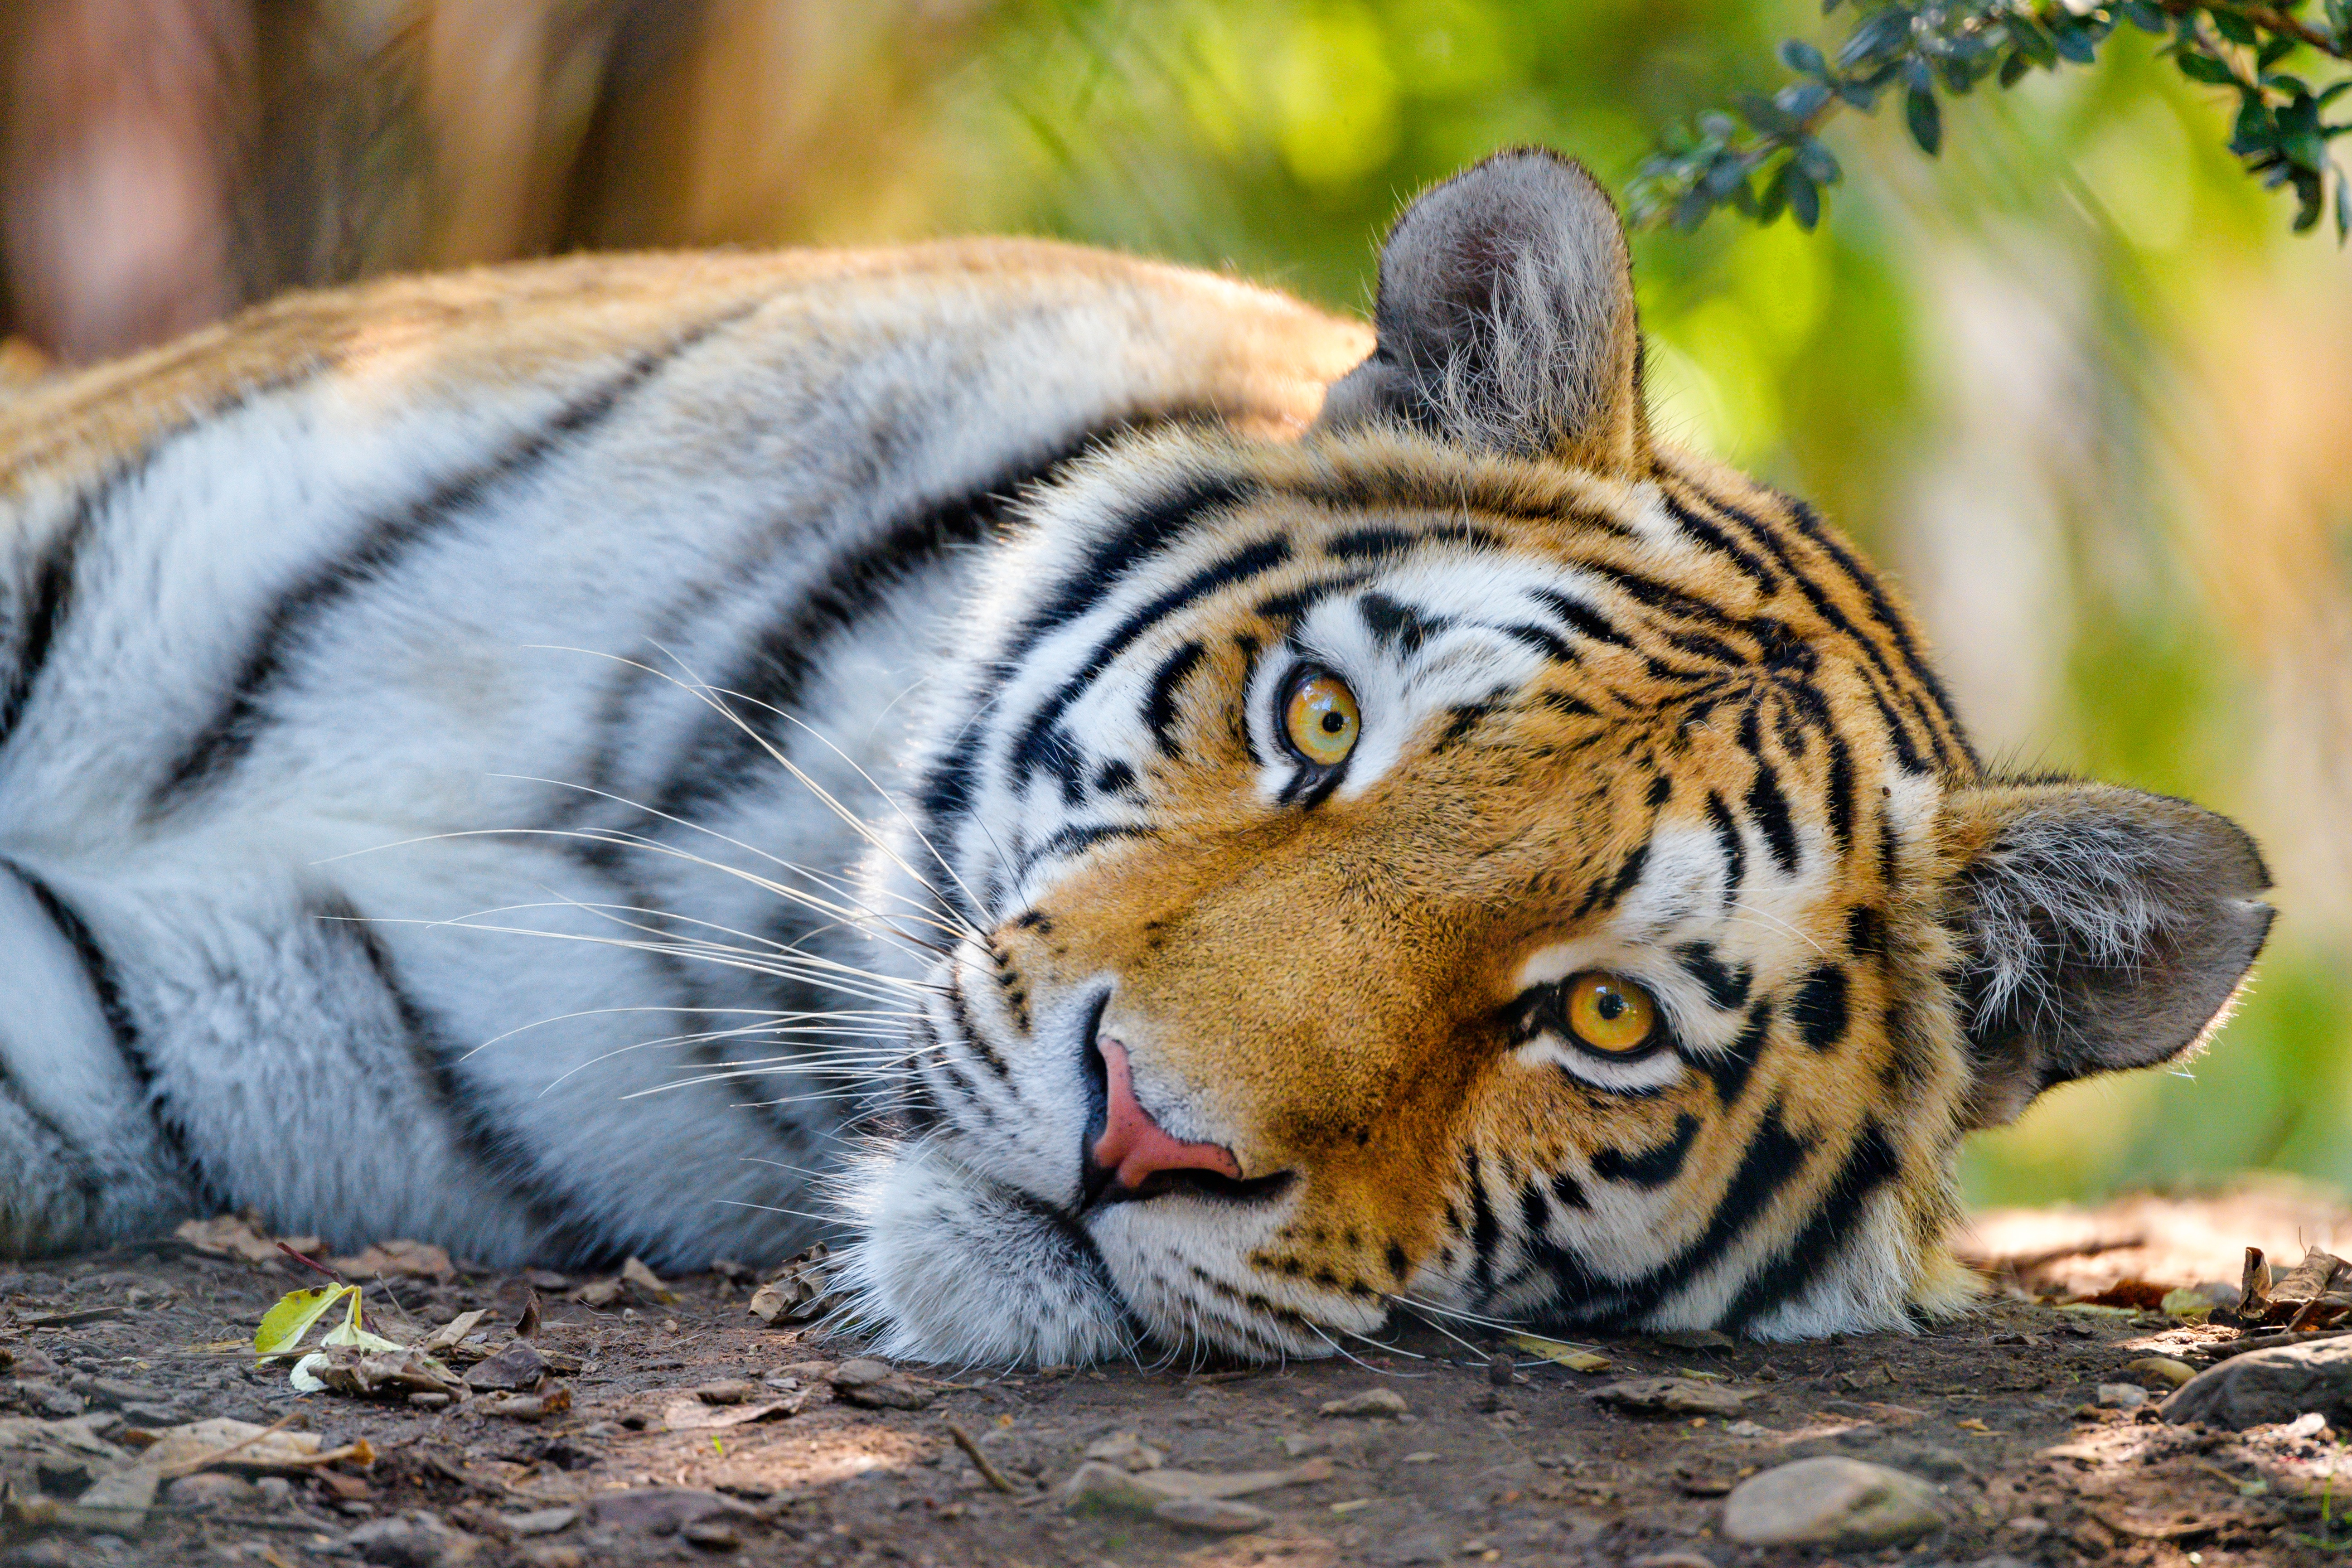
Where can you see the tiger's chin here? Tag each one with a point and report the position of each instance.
(955, 1269)
(952, 1266)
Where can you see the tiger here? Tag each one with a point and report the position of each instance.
(1157, 817)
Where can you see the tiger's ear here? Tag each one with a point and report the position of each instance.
(2103, 928)
(1505, 318)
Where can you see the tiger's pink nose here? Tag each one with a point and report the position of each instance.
(1133, 1147)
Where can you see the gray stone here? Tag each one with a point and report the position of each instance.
(539, 1521)
(2265, 1387)
(396, 1543)
(1217, 1516)
(1833, 1502)
(211, 1490)
(2122, 1396)
(663, 1510)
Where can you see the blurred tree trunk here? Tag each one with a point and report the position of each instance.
(165, 162)
(125, 117)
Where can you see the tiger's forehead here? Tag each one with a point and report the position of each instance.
(1564, 646)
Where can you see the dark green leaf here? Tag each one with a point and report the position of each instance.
(1727, 174)
(2014, 68)
(2032, 41)
(2343, 209)
(1802, 99)
(1925, 119)
(1718, 126)
(1804, 199)
(2275, 51)
(1766, 115)
(2199, 67)
(2074, 44)
(1815, 160)
(2334, 91)
(1803, 58)
(2232, 26)
(2148, 18)
(1858, 95)
(1881, 33)
(1775, 199)
(1692, 210)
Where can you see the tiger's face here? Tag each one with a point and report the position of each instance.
(1477, 860)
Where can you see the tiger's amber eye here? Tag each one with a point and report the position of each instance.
(1611, 1014)
(1321, 720)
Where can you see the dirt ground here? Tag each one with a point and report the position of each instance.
(1497, 1455)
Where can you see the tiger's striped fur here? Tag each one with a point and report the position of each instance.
(462, 738)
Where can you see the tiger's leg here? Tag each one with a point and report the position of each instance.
(83, 1161)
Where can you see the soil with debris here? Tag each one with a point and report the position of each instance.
(641, 1420)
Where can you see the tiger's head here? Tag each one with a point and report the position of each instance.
(1480, 857)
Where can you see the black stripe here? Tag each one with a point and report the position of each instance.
(1828, 610)
(239, 721)
(497, 1150)
(1727, 837)
(1605, 895)
(1584, 620)
(1650, 1167)
(1028, 752)
(959, 1012)
(1770, 809)
(1542, 639)
(35, 630)
(1714, 539)
(1078, 837)
(1869, 1165)
(1820, 1011)
(1121, 548)
(1486, 1232)
(97, 970)
(1727, 987)
(1841, 794)
(1160, 710)
(1395, 624)
(1809, 522)
(770, 680)
(1773, 1158)
(1730, 1068)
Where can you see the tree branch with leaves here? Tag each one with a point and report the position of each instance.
(1768, 158)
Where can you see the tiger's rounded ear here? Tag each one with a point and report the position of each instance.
(2103, 928)
(1505, 318)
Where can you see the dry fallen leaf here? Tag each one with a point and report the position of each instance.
(398, 1260)
(241, 1235)
(1566, 1355)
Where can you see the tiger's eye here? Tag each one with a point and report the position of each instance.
(1321, 720)
(1611, 1014)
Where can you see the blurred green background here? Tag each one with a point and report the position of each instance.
(2074, 384)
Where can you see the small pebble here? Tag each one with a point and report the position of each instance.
(1380, 1403)
(210, 1490)
(2122, 1396)
(1421, 1457)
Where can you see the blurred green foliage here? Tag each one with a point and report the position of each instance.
(1924, 52)
(2100, 209)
